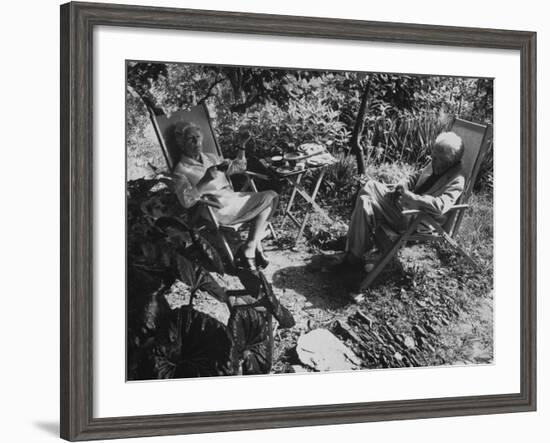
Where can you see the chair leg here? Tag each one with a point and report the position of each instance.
(371, 276)
(272, 230)
(306, 216)
(227, 249)
(291, 200)
(459, 248)
(270, 339)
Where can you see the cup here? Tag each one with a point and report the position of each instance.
(277, 160)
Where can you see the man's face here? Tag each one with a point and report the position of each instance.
(190, 142)
(440, 160)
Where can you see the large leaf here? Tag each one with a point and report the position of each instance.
(147, 307)
(251, 346)
(211, 286)
(147, 314)
(258, 287)
(175, 230)
(187, 272)
(197, 277)
(208, 254)
(196, 346)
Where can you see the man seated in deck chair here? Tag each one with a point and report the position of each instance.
(435, 189)
(201, 176)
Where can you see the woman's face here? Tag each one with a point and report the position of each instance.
(190, 142)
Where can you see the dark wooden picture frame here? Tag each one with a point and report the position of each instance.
(77, 23)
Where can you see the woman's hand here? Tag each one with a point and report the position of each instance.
(223, 165)
(210, 174)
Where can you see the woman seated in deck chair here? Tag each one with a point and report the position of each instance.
(435, 189)
(201, 176)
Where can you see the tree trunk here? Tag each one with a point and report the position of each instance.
(355, 142)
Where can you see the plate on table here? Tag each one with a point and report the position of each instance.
(294, 157)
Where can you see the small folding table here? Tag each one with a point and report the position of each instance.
(294, 178)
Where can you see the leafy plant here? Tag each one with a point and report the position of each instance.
(195, 345)
(251, 352)
(166, 343)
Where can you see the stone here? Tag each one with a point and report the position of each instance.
(322, 351)
(297, 369)
(429, 328)
(364, 317)
(356, 297)
(420, 331)
(409, 342)
(429, 347)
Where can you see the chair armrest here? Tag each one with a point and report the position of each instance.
(256, 175)
(208, 203)
(459, 207)
(418, 211)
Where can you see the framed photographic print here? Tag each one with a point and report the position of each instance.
(273, 221)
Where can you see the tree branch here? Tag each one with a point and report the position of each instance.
(355, 142)
(210, 89)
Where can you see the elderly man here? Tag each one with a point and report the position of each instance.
(434, 190)
(201, 176)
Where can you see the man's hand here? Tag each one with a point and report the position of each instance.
(408, 200)
(398, 193)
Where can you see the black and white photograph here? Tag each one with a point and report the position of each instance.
(297, 220)
(238, 221)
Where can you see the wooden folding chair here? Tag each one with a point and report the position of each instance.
(257, 293)
(163, 125)
(476, 140)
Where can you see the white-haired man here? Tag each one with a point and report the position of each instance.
(434, 189)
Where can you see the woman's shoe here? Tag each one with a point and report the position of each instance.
(242, 261)
(261, 260)
(371, 260)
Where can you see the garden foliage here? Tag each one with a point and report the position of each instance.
(283, 108)
(183, 342)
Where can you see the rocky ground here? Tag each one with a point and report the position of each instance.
(428, 308)
(423, 312)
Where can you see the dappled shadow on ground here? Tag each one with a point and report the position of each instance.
(322, 290)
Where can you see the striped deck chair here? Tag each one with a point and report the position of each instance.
(163, 125)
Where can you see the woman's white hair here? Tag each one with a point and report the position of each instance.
(182, 127)
(451, 146)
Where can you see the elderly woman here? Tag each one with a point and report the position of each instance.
(201, 176)
(434, 190)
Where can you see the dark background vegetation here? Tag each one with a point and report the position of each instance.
(283, 108)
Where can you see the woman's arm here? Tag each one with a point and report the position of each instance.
(237, 165)
(188, 195)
